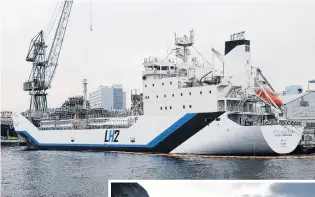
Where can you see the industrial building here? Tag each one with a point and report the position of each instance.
(108, 98)
(301, 107)
(294, 89)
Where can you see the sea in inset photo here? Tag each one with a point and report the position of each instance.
(196, 188)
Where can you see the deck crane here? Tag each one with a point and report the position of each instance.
(44, 67)
(264, 78)
(218, 54)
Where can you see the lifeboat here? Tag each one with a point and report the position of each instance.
(272, 96)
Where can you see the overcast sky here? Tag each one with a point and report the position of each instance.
(126, 32)
(227, 189)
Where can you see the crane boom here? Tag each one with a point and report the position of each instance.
(52, 61)
(218, 54)
(44, 68)
(264, 78)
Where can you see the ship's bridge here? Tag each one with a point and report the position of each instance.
(155, 68)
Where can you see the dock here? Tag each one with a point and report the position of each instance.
(12, 142)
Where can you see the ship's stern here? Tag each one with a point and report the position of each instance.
(282, 139)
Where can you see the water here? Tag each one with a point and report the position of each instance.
(62, 173)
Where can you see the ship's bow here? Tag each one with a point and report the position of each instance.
(24, 128)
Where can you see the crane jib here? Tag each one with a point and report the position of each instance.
(44, 67)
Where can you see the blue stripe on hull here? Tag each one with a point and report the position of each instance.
(150, 145)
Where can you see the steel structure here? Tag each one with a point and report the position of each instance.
(44, 67)
(218, 54)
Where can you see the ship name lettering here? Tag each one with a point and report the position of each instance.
(111, 135)
(281, 122)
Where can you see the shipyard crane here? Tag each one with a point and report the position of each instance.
(218, 54)
(44, 67)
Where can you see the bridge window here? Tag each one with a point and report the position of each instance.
(189, 106)
(157, 96)
(145, 85)
(170, 107)
(170, 83)
(161, 108)
(181, 94)
(200, 92)
(153, 85)
(183, 106)
(162, 84)
(189, 93)
(165, 108)
(164, 95)
(173, 95)
(209, 91)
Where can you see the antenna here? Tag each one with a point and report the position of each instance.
(91, 15)
(184, 42)
(238, 36)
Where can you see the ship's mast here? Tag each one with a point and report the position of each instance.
(184, 42)
(84, 93)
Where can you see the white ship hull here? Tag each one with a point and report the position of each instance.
(193, 133)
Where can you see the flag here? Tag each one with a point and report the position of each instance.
(311, 81)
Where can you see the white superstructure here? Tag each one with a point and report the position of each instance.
(188, 107)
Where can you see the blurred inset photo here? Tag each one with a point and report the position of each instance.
(196, 188)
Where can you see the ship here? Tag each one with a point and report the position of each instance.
(186, 107)
(7, 130)
(8, 136)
